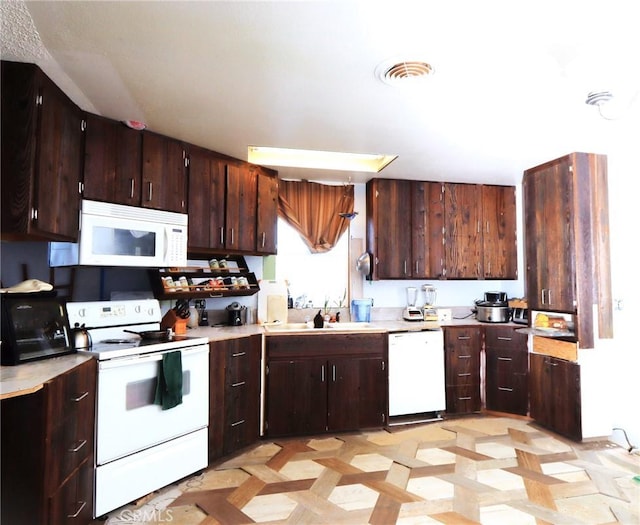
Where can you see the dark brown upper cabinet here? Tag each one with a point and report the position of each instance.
(164, 174)
(267, 212)
(112, 162)
(42, 137)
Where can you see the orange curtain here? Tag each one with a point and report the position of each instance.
(314, 211)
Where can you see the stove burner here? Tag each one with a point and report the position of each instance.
(117, 341)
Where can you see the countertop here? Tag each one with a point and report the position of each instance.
(30, 377)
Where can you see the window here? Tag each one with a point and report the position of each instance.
(314, 277)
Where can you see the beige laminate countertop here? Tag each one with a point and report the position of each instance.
(30, 377)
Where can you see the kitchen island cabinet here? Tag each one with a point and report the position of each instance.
(234, 394)
(42, 137)
(462, 347)
(47, 458)
(325, 383)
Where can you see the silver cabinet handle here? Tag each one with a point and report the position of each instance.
(238, 354)
(264, 239)
(464, 374)
(405, 267)
(505, 389)
(334, 372)
(322, 373)
(78, 446)
(240, 383)
(463, 337)
(80, 397)
(132, 188)
(82, 504)
(417, 267)
(150, 192)
(221, 235)
(237, 423)
(504, 359)
(231, 237)
(501, 338)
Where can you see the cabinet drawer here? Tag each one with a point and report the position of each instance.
(73, 502)
(463, 399)
(238, 367)
(505, 337)
(72, 395)
(67, 447)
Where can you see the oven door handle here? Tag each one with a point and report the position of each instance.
(149, 358)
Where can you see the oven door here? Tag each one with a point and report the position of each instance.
(127, 418)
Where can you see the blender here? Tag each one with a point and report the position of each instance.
(412, 312)
(429, 313)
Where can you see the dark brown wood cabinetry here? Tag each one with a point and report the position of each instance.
(480, 231)
(507, 370)
(164, 174)
(47, 458)
(433, 230)
(206, 200)
(331, 383)
(234, 394)
(112, 162)
(233, 205)
(499, 250)
(567, 242)
(555, 395)
(462, 347)
(267, 212)
(404, 228)
(41, 156)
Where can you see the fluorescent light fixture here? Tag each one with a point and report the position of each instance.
(325, 160)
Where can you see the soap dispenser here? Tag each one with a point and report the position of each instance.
(318, 320)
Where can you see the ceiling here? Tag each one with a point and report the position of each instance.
(508, 92)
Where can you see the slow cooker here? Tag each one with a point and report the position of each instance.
(494, 308)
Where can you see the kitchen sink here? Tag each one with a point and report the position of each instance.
(331, 327)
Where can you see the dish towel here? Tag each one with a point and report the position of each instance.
(169, 385)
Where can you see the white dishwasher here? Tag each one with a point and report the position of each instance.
(416, 373)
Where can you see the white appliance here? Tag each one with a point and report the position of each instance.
(416, 374)
(139, 447)
(118, 235)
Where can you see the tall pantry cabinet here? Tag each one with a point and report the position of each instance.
(568, 274)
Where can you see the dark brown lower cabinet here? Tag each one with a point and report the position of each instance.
(234, 394)
(507, 370)
(555, 395)
(328, 383)
(47, 451)
(462, 347)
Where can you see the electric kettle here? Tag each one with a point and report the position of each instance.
(236, 313)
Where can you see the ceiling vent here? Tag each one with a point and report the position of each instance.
(397, 72)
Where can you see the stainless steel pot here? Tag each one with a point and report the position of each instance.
(495, 297)
(493, 314)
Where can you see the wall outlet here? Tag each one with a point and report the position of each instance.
(444, 314)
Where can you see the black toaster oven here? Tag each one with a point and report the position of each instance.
(34, 326)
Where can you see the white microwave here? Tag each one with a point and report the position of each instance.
(118, 235)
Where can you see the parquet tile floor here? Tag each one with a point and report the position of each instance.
(487, 470)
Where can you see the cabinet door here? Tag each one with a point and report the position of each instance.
(389, 228)
(41, 156)
(164, 184)
(112, 162)
(296, 397)
(463, 239)
(499, 232)
(267, 213)
(206, 200)
(242, 188)
(549, 229)
(217, 372)
(427, 222)
(356, 393)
